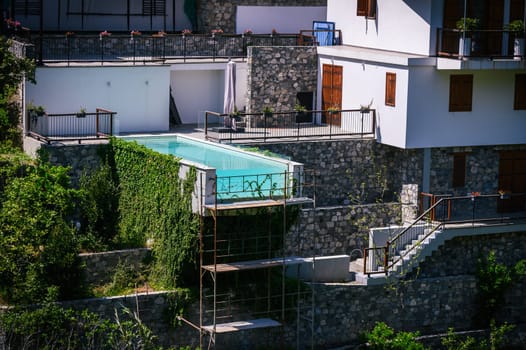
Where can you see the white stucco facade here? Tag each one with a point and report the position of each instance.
(200, 87)
(139, 95)
(284, 19)
(404, 26)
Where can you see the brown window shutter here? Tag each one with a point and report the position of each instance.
(459, 169)
(366, 8)
(361, 9)
(460, 93)
(520, 92)
(390, 89)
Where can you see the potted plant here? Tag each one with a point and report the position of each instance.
(301, 114)
(466, 25)
(81, 113)
(267, 111)
(35, 111)
(517, 28)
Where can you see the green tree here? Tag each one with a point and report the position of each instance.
(39, 247)
(13, 70)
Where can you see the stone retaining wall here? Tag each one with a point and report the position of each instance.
(354, 171)
(100, 267)
(338, 230)
(80, 157)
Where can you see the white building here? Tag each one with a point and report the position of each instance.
(399, 57)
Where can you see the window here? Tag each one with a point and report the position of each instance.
(27, 7)
(390, 89)
(460, 93)
(366, 8)
(459, 169)
(153, 7)
(520, 92)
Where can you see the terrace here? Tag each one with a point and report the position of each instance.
(139, 48)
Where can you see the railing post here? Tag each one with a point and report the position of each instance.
(97, 123)
(386, 258)
(364, 261)
(206, 125)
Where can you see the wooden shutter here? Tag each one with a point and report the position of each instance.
(460, 93)
(366, 8)
(520, 92)
(390, 89)
(459, 169)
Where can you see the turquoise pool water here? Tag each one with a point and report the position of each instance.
(239, 174)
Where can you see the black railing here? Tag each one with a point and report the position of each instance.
(480, 43)
(74, 48)
(473, 210)
(290, 125)
(72, 126)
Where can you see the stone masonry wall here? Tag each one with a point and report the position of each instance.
(100, 267)
(354, 171)
(338, 230)
(81, 158)
(428, 302)
(218, 14)
(277, 74)
(482, 169)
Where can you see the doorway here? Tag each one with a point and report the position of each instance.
(512, 179)
(331, 93)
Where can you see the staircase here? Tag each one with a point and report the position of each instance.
(395, 252)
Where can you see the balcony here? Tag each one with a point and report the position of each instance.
(71, 47)
(290, 125)
(479, 49)
(77, 126)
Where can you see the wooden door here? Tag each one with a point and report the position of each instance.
(331, 92)
(512, 178)
(453, 10)
(494, 19)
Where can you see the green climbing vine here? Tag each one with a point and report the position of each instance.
(154, 203)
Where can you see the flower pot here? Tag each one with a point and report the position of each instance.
(464, 47)
(518, 48)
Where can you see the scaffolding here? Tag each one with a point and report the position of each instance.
(247, 281)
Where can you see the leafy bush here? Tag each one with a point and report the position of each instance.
(13, 71)
(495, 340)
(53, 327)
(39, 246)
(493, 280)
(383, 337)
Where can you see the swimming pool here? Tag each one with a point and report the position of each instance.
(239, 174)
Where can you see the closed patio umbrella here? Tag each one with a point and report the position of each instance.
(230, 92)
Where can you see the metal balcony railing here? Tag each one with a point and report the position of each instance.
(114, 47)
(71, 126)
(446, 212)
(480, 43)
(290, 125)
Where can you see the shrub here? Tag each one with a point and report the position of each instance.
(383, 337)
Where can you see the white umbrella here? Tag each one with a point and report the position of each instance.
(230, 91)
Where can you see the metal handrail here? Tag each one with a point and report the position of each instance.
(144, 48)
(72, 126)
(290, 125)
(425, 225)
(447, 43)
